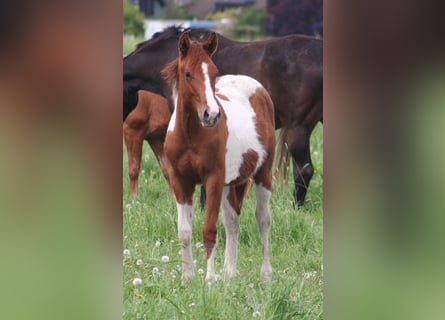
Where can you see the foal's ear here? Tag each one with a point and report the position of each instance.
(211, 44)
(184, 44)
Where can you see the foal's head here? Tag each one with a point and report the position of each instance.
(193, 74)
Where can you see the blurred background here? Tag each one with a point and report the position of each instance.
(237, 19)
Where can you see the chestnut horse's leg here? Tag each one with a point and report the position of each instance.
(298, 145)
(133, 142)
(213, 186)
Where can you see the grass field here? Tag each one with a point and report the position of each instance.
(152, 255)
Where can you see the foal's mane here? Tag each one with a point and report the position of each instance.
(170, 73)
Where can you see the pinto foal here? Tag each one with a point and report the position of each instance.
(221, 133)
(148, 121)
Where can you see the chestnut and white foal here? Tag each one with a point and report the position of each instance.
(221, 134)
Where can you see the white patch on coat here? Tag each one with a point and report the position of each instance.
(210, 95)
(241, 122)
(172, 122)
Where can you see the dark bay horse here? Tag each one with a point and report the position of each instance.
(221, 134)
(148, 121)
(290, 68)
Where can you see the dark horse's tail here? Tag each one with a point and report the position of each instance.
(281, 162)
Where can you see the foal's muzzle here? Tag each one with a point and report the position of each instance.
(210, 119)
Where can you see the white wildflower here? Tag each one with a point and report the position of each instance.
(137, 281)
(201, 271)
(128, 206)
(158, 243)
(165, 259)
(126, 252)
(191, 305)
(139, 262)
(310, 274)
(198, 245)
(155, 269)
(256, 313)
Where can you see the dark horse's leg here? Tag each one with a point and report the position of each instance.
(298, 146)
(202, 199)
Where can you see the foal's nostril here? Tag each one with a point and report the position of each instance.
(206, 115)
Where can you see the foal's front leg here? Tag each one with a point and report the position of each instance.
(214, 189)
(184, 204)
(185, 215)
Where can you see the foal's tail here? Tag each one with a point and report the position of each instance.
(281, 161)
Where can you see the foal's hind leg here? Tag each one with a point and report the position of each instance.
(263, 188)
(232, 198)
(263, 219)
(298, 145)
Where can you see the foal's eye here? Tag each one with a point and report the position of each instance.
(188, 75)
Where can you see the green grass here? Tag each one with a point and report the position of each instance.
(295, 291)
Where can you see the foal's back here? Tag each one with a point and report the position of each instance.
(250, 124)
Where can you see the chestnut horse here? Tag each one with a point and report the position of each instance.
(221, 133)
(290, 68)
(148, 121)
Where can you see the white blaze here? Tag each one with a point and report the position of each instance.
(211, 101)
